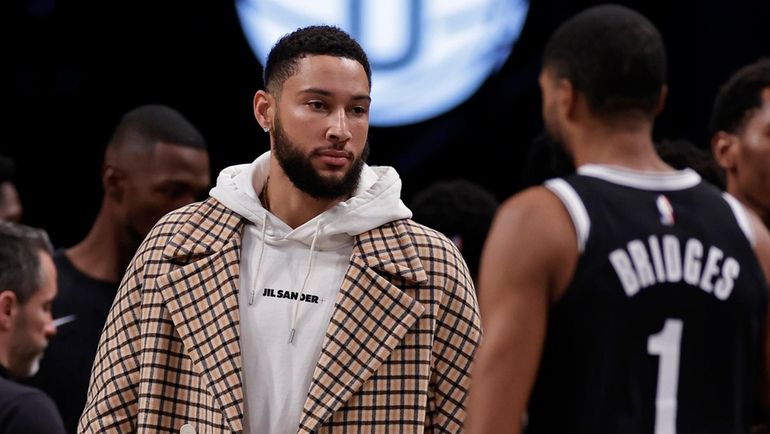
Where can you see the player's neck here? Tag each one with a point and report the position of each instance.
(105, 252)
(290, 204)
(762, 212)
(624, 145)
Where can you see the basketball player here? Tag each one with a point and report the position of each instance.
(626, 298)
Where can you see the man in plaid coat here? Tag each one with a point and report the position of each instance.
(300, 297)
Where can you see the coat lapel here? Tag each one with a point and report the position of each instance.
(202, 298)
(370, 319)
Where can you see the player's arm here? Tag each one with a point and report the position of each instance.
(528, 260)
(762, 249)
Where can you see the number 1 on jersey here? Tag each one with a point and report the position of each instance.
(666, 345)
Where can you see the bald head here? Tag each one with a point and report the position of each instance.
(140, 129)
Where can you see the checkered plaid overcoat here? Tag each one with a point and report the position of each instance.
(395, 358)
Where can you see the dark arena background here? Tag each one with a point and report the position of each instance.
(73, 67)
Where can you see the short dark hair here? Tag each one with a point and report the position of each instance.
(149, 124)
(738, 97)
(458, 207)
(681, 154)
(546, 159)
(20, 270)
(307, 41)
(613, 55)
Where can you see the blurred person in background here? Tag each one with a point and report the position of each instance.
(682, 154)
(155, 161)
(740, 140)
(740, 144)
(27, 290)
(460, 209)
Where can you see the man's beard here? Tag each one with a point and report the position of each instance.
(25, 354)
(304, 176)
(34, 366)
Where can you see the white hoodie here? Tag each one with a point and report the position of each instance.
(289, 284)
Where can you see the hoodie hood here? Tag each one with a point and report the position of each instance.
(376, 201)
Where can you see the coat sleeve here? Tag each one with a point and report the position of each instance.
(111, 405)
(457, 336)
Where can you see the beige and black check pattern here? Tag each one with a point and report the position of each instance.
(395, 359)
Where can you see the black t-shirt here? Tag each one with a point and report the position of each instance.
(662, 321)
(66, 366)
(26, 410)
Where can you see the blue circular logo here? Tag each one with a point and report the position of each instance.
(427, 56)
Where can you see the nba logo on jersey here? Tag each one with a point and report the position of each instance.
(666, 210)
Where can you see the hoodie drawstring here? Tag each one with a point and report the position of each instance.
(259, 261)
(304, 283)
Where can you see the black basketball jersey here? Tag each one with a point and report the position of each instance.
(659, 330)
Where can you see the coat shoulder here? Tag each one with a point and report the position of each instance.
(428, 240)
(205, 215)
(440, 257)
